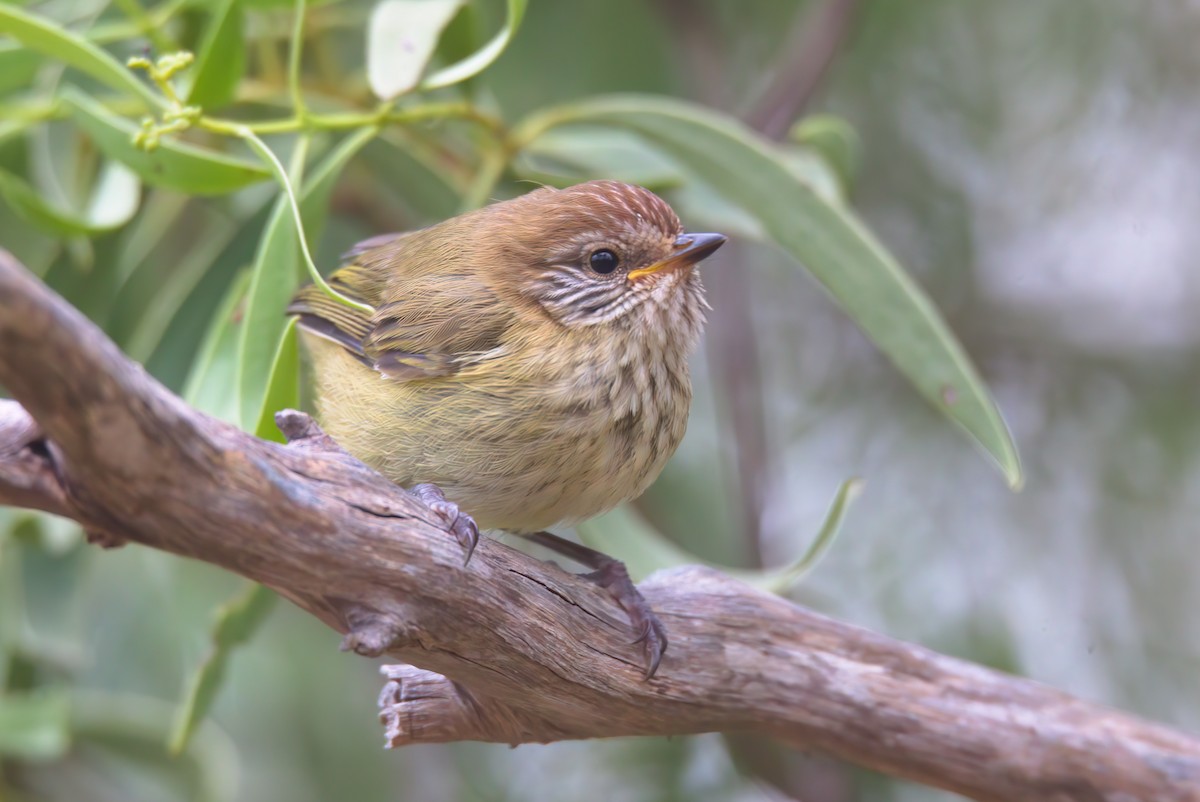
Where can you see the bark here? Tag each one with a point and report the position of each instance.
(535, 654)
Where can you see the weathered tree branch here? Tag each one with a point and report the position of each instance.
(535, 654)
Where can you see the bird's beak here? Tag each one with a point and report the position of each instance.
(689, 249)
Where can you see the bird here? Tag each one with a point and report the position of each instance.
(524, 365)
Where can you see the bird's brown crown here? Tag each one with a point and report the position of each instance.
(601, 206)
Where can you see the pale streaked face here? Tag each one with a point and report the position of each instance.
(603, 249)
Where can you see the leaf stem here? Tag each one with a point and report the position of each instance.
(281, 175)
(31, 113)
(381, 116)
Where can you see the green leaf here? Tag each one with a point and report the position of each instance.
(114, 198)
(213, 377)
(172, 164)
(702, 207)
(411, 175)
(168, 292)
(30, 206)
(34, 726)
(276, 275)
(577, 153)
(645, 550)
(283, 386)
(46, 37)
(113, 202)
(572, 153)
(314, 199)
(481, 59)
(18, 67)
(222, 58)
(462, 36)
(274, 278)
(82, 192)
(237, 620)
(401, 38)
(827, 238)
(836, 141)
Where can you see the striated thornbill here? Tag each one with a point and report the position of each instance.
(529, 359)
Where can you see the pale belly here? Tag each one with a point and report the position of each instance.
(520, 456)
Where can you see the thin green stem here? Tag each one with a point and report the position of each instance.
(384, 115)
(294, 60)
(539, 123)
(285, 182)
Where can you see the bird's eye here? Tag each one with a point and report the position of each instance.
(603, 261)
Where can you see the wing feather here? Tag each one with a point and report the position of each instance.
(432, 327)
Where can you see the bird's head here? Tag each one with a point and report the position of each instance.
(596, 253)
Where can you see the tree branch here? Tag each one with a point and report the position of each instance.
(535, 654)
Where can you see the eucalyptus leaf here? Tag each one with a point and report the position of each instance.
(700, 206)
(826, 237)
(18, 66)
(405, 171)
(113, 202)
(274, 277)
(221, 59)
(33, 208)
(571, 154)
(812, 169)
(59, 166)
(314, 199)
(172, 164)
(462, 36)
(211, 384)
(645, 550)
(47, 37)
(283, 386)
(401, 38)
(173, 288)
(481, 59)
(237, 621)
(114, 198)
(836, 141)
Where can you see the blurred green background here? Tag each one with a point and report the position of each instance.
(1032, 164)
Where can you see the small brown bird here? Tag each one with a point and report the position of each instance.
(526, 361)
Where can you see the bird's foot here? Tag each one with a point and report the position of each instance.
(612, 575)
(457, 522)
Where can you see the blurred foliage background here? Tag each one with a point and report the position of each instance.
(1032, 164)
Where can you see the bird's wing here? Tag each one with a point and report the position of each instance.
(433, 326)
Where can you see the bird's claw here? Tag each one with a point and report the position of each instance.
(457, 522)
(614, 577)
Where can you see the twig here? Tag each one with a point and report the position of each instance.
(808, 53)
(536, 654)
